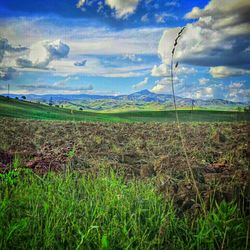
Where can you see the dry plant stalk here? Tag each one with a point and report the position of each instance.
(178, 121)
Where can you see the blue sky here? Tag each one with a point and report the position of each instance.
(115, 47)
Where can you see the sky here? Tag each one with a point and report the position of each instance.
(112, 47)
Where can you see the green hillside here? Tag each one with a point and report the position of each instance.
(28, 110)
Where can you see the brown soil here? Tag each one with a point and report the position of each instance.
(218, 152)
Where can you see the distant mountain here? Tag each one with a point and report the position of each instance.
(140, 96)
(146, 96)
(61, 97)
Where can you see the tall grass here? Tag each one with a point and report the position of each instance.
(74, 211)
(182, 139)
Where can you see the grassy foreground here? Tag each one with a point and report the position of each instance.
(27, 110)
(73, 211)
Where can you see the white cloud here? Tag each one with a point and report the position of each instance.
(221, 71)
(42, 53)
(206, 92)
(160, 89)
(203, 81)
(80, 3)
(164, 85)
(164, 70)
(220, 36)
(161, 70)
(219, 7)
(123, 8)
(141, 84)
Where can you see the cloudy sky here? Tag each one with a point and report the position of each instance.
(122, 46)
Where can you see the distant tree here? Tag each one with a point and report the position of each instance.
(81, 109)
(23, 97)
(247, 109)
(193, 102)
(239, 109)
(16, 98)
(50, 101)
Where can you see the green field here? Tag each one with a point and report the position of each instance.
(29, 110)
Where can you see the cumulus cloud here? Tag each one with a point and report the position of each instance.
(7, 73)
(221, 71)
(220, 36)
(5, 46)
(164, 85)
(206, 93)
(222, 8)
(164, 70)
(80, 64)
(42, 53)
(123, 8)
(161, 70)
(161, 88)
(141, 84)
(80, 3)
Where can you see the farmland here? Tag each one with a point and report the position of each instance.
(123, 185)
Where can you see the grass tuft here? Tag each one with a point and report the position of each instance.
(73, 211)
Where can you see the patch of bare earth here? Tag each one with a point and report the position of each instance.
(218, 153)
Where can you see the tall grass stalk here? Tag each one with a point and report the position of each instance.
(178, 121)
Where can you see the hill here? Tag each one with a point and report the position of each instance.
(29, 110)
